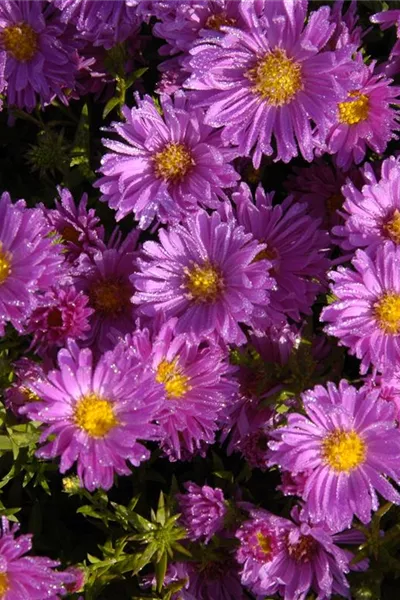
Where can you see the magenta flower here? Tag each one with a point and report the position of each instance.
(372, 213)
(296, 248)
(349, 441)
(62, 314)
(166, 164)
(26, 372)
(273, 81)
(29, 261)
(203, 510)
(41, 61)
(203, 272)
(365, 119)
(197, 383)
(388, 387)
(365, 315)
(95, 413)
(105, 279)
(32, 577)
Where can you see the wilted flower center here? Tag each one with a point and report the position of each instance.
(276, 78)
(173, 162)
(217, 21)
(4, 585)
(354, 111)
(29, 396)
(392, 227)
(109, 297)
(70, 234)
(387, 312)
(54, 318)
(95, 415)
(204, 282)
(175, 383)
(21, 41)
(343, 450)
(304, 550)
(334, 203)
(5, 264)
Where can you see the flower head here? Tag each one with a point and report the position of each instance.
(166, 164)
(26, 372)
(204, 272)
(349, 443)
(365, 315)
(95, 413)
(41, 61)
(203, 511)
(273, 81)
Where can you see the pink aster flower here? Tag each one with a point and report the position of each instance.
(62, 314)
(197, 384)
(95, 414)
(365, 119)
(105, 279)
(26, 373)
(273, 81)
(32, 577)
(365, 315)
(372, 213)
(292, 558)
(29, 261)
(41, 61)
(204, 273)
(166, 164)
(203, 510)
(296, 248)
(77, 225)
(349, 441)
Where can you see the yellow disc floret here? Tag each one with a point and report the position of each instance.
(21, 41)
(204, 282)
(276, 78)
(343, 450)
(95, 415)
(4, 584)
(392, 227)
(387, 312)
(264, 543)
(173, 162)
(355, 109)
(175, 382)
(5, 264)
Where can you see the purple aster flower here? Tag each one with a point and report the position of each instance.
(203, 511)
(62, 314)
(372, 213)
(204, 272)
(388, 387)
(347, 31)
(215, 577)
(41, 61)
(166, 164)
(102, 22)
(95, 414)
(365, 315)
(349, 441)
(293, 484)
(296, 248)
(386, 19)
(105, 279)
(197, 383)
(293, 557)
(274, 80)
(26, 372)
(365, 119)
(32, 577)
(29, 261)
(77, 225)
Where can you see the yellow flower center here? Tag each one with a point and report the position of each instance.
(387, 312)
(5, 264)
(21, 41)
(276, 78)
(29, 396)
(204, 283)
(109, 297)
(334, 203)
(173, 163)
(217, 21)
(95, 415)
(392, 227)
(264, 543)
(343, 450)
(355, 109)
(4, 585)
(175, 383)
